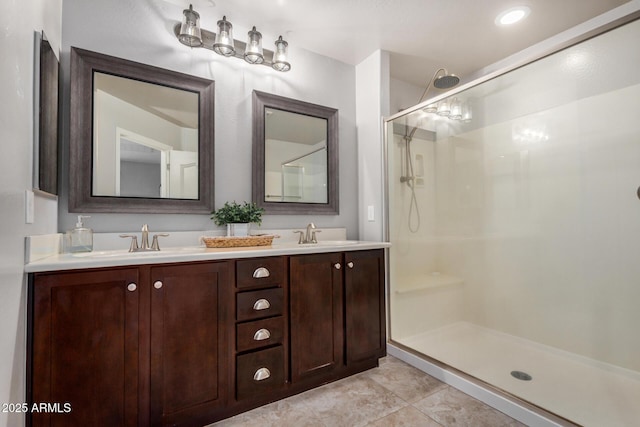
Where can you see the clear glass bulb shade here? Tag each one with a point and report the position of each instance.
(467, 114)
(190, 34)
(280, 60)
(224, 38)
(253, 52)
(456, 109)
(443, 108)
(431, 108)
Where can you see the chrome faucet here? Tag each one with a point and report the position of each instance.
(145, 238)
(144, 241)
(309, 236)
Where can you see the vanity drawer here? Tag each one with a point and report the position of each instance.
(259, 372)
(260, 333)
(259, 304)
(259, 271)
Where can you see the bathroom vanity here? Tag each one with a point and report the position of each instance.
(189, 338)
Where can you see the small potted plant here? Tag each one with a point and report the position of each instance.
(237, 218)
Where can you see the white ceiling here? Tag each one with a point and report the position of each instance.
(422, 35)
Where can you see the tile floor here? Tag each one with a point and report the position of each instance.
(394, 394)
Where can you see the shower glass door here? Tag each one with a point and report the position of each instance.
(515, 230)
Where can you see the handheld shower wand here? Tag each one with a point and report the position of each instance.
(444, 81)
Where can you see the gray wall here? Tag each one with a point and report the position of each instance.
(19, 21)
(142, 31)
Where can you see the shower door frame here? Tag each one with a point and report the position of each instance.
(482, 390)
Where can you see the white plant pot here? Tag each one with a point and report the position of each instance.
(238, 230)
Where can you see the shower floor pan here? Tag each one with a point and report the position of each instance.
(582, 390)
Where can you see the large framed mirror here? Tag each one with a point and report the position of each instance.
(141, 138)
(295, 156)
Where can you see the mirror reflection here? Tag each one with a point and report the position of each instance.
(295, 157)
(145, 139)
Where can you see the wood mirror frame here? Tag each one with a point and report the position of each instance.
(261, 101)
(81, 199)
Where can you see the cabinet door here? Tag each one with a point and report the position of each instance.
(364, 305)
(189, 361)
(84, 347)
(316, 314)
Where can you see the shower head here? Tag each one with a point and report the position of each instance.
(446, 81)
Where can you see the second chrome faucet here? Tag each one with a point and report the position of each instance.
(309, 236)
(144, 244)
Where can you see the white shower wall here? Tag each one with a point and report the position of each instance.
(530, 222)
(550, 241)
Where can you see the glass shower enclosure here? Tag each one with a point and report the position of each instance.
(514, 218)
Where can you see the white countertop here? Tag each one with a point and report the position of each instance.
(118, 258)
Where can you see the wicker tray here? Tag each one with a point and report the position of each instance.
(237, 242)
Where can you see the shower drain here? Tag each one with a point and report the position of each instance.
(523, 376)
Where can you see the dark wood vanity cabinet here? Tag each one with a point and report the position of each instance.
(365, 320)
(189, 363)
(84, 347)
(129, 346)
(337, 312)
(187, 344)
(317, 321)
(261, 328)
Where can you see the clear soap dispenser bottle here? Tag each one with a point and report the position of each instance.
(81, 237)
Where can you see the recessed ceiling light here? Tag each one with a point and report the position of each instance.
(513, 15)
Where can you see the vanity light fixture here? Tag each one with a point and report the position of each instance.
(190, 34)
(254, 53)
(456, 109)
(280, 57)
(452, 109)
(224, 38)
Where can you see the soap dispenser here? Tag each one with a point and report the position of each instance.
(81, 237)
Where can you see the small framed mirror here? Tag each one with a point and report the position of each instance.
(141, 139)
(295, 156)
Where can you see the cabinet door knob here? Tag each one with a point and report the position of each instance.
(261, 304)
(157, 284)
(132, 287)
(261, 335)
(337, 266)
(350, 264)
(260, 273)
(261, 374)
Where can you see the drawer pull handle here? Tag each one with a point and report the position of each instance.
(337, 266)
(157, 284)
(350, 264)
(261, 335)
(132, 287)
(261, 304)
(261, 374)
(260, 273)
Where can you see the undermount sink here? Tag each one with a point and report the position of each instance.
(126, 253)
